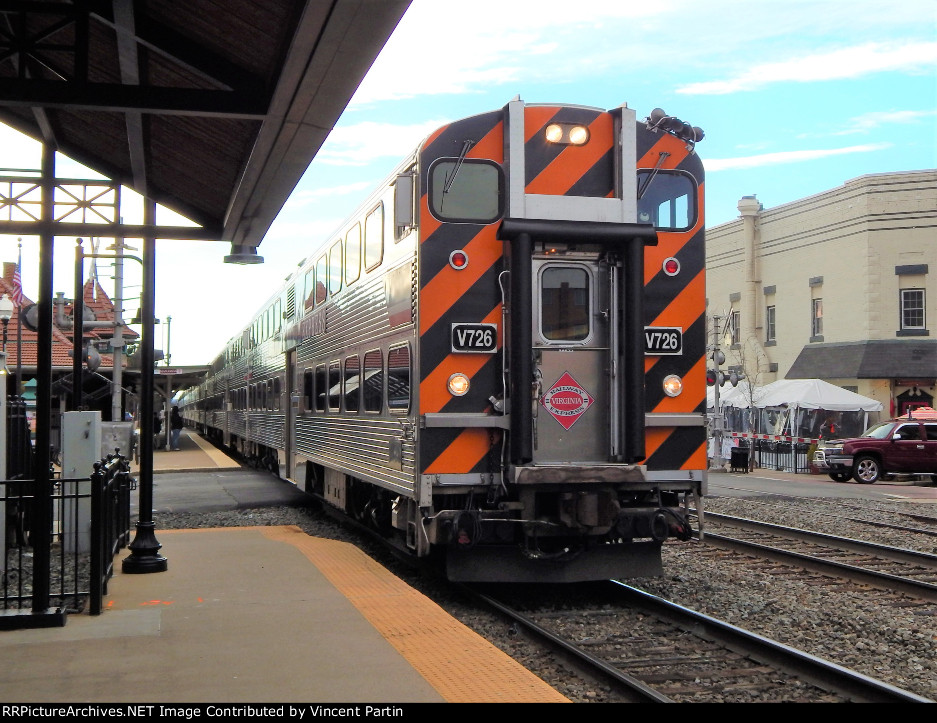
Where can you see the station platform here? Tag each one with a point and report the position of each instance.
(259, 615)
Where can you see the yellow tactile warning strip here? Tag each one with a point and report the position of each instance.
(461, 665)
(216, 455)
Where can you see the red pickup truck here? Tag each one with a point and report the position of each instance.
(899, 446)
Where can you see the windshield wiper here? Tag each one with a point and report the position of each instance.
(663, 156)
(466, 147)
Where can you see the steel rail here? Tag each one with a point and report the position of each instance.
(910, 586)
(822, 673)
(632, 685)
(897, 554)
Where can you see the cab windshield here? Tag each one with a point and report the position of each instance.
(879, 431)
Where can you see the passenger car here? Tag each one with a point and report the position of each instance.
(905, 446)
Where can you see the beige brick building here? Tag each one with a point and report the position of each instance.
(840, 286)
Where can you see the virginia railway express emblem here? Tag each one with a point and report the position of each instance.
(566, 400)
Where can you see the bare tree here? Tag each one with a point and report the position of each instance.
(751, 363)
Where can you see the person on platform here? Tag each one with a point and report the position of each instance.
(175, 424)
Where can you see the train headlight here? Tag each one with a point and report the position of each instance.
(566, 133)
(578, 135)
(458, 384)
(673, 385)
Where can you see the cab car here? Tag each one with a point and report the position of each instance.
(898, 446)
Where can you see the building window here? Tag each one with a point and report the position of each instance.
(816, 321)
(912, 309)
(769, 324)
(735, 327)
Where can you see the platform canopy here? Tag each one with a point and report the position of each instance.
(211, 109)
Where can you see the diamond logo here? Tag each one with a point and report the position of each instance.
(566, 400)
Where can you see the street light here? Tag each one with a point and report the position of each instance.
(6, 313)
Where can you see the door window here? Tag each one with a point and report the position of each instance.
(565, 303)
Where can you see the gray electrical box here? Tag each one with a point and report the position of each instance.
(81, 448)
(116, 436)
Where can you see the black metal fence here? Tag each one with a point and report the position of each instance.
(770, 454)
(60, 564)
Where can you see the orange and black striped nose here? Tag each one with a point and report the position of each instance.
(556, 166)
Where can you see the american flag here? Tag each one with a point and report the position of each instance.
(18, 283)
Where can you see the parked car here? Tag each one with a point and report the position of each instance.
(898, 446)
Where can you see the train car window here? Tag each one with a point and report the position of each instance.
(307, 391)
(373, 387)
(309, 290)
(276, 394)
(374, 238)
(465, 190)
(352, 384)
(335, 268)
(564, 303)
(271, 404)
(335, 385)
(353, 254)
(398, 379)
(667, 199)
(322, 273)
(321, 387)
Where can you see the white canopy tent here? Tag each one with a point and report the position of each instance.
(797, 407)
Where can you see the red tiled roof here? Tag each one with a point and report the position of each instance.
(94, 298)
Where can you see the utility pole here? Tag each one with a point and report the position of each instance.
(716, 378)
(718, 358)
(117, 343)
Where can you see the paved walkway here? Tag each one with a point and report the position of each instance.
(256, 615)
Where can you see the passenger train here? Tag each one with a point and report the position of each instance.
(498, 360)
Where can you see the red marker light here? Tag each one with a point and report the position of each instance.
(671, 266)
(458, 260)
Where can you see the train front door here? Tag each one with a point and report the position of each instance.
(572, 322)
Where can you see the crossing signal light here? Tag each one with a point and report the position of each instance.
(89, 355)
(711, 377)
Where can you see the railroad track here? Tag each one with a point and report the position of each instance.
(907, 571)
(847, 513)
(647, 649)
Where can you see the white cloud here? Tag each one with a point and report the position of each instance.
(305, 196)
(775, 159)
(839, 64)
(454, 48)
(877, 119)
(362, 143)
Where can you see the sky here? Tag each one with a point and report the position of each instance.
(795, 98)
